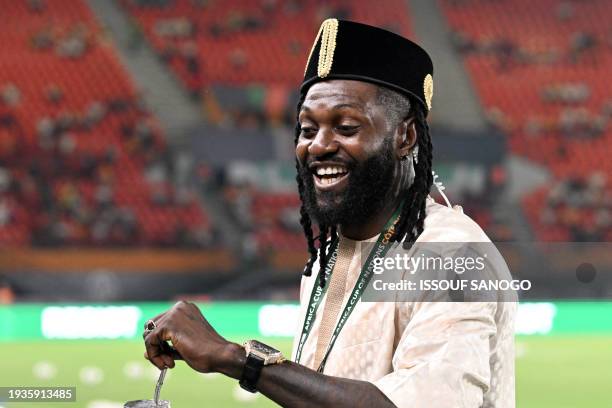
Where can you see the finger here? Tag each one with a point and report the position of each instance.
(169, 350)
(159, 316)
(168, 360)
(154, 351)
(195, 307)
(156, 320)
(184, 305)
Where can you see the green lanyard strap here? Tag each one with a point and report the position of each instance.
(379, 250)
(315, 300)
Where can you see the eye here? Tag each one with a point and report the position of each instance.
(348, 130)
(308, 131)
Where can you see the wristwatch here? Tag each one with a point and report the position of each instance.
(258, 355)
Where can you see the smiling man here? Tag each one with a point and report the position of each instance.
(364, 160)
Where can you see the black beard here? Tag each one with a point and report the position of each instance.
(369, 186)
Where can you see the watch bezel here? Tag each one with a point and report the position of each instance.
(273, 357)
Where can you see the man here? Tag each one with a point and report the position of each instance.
(364, 173)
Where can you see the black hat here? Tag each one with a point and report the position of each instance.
(349, 50)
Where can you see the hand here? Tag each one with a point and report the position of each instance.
(202, 348)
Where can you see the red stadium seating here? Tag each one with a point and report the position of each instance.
(541, 30)
(286, 33)
(95, 76)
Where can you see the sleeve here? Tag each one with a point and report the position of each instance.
(442, 358)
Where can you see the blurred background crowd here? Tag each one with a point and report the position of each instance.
(140, 133)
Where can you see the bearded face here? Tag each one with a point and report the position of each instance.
(350, 150)
(338, 191)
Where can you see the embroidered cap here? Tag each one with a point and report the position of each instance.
(349, 50)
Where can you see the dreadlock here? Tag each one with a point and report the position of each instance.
(305, 221)
(304, 217)
(412, 217)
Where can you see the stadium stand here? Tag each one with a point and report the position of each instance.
(217, 47)
(541, 71)
(82, 160)
(263, 202)
(199, 40)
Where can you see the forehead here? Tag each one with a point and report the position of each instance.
(341, 91)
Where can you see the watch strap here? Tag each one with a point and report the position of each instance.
(251, 372)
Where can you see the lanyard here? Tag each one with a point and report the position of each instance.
(315, 300)
(379, 250)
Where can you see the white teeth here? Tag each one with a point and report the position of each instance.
(330, 180)
(330, 170)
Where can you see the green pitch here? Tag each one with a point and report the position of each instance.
(552, 371)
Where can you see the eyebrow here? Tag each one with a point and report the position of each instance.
(338, 106)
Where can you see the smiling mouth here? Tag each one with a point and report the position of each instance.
(329, 176)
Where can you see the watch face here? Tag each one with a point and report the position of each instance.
(260, 348)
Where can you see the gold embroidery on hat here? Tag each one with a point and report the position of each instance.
(428, 90)
(328, 46)
(313, 47)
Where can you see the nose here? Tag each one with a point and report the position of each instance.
(323, 144)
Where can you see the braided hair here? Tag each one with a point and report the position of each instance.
(412, 217)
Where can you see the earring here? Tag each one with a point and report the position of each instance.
(415, 154)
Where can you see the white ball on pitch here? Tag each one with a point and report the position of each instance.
(134, 370)
(91, 375)
(104, 404)
(44, 370)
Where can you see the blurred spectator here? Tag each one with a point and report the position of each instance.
(290, 220)
(507, 53)
(497, 119)
(564, 11)
(36, 6)
(462, 42)
(66, 144)
(190, 53)
(180, 27)
(54, 94)
(7, 295)
(201, 4)
(75, 44)
(581, 206)
(96, 111)
(5, 180)
(580, 124)
(151, 3)
(6, 212)
(10, 95)
(103, 197)
(238, 58)
(581, 43)
(43, 39)
(570, 92)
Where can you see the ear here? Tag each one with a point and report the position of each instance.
(405, 137)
